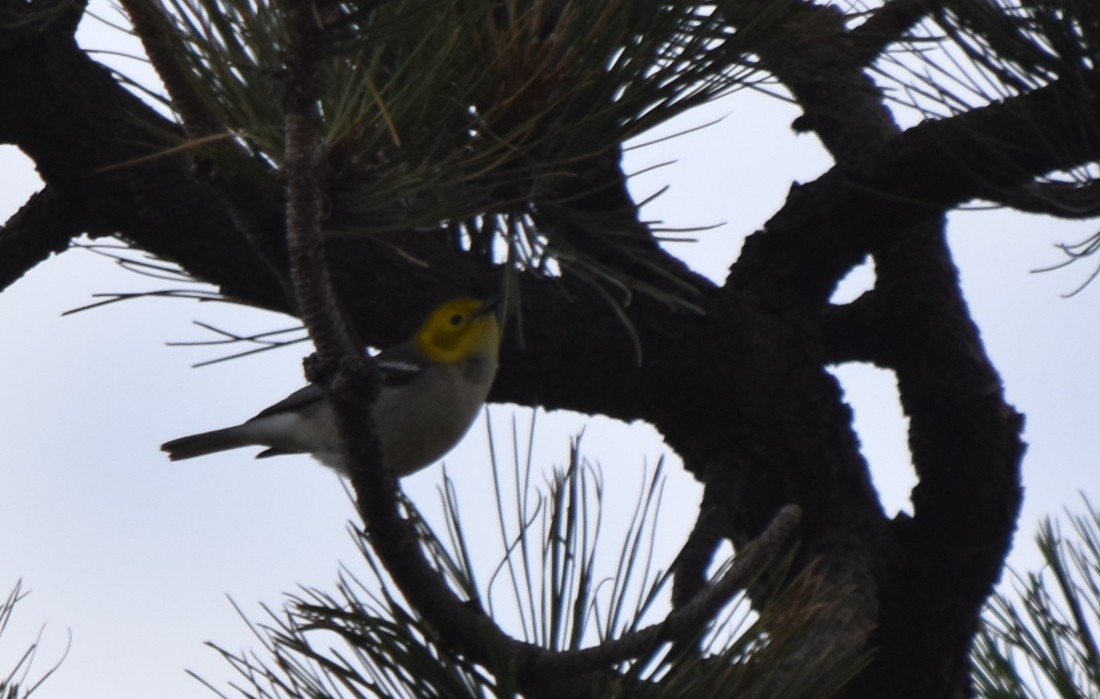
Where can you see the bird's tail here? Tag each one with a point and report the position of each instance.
(206, 443)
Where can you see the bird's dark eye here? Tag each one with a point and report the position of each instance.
(457, 319)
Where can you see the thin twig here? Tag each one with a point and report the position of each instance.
(151, 24)
(308, 266)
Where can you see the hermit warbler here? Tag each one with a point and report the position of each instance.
(432, 389)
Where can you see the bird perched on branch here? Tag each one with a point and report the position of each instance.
(433, 386)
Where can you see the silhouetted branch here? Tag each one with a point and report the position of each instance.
(44, 225)
(154, 28)
(888, 25)
(916, 176)
(695, 557)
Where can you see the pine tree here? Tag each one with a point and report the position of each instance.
(351, 163)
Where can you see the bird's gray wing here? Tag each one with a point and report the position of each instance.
(399, 366)
(299, 399)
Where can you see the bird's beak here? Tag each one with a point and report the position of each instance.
(489, 305)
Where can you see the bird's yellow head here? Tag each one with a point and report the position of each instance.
(459, 329)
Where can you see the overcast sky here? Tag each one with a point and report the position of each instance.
(134, 557)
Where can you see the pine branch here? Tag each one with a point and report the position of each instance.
(811, 55)
(153, 27)
(695, 556)
(356, 386)
(245, 186)
(851, 332)
(916, 176)
(888, 25)
(46, 224)
(317, 303)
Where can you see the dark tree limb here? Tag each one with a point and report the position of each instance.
(247, 188)
(466, 630)
(914, 177)
(812, 57)
(309, 271)
(91, 140)
(888, 25)
(852, 332)
(825, 228)
(696, 555)
(966, 448)
(968, 414)
(44, 225)
(155, 30)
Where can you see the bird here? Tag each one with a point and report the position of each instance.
(433, 386)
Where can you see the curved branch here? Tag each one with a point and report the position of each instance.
(812, 56)
(690, 567)
(966, 449)
(44, 225)
(828, 226)
(851, 332)
(888, 25)
(155, 30)
(92, 139)
(355, 387)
